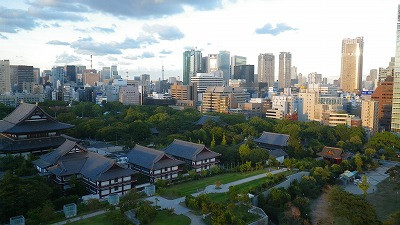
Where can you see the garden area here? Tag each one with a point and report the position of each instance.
(189, 187)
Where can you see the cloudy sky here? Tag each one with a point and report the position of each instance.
(141, 35)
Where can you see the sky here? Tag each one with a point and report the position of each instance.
(142, 35)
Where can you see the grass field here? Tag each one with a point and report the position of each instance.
(385, 199)
(164, 218)
(97, 220)
(186, 188)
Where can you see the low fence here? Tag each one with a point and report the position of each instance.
(284, 184)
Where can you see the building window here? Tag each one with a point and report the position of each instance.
(116, 180)
(115, 188)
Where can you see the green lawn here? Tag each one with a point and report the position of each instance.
(164, 218)
(98, 220)
(186, 188)
(385, 199)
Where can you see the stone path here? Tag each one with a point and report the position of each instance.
(80, 217)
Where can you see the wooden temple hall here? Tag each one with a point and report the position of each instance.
(30, 129)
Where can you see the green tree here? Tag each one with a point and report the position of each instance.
(145, 212)
(358, 161)
(244, 151)
(213, 142)
(364, 185)
(369, 152)
(223, 142)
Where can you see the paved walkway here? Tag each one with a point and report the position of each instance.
(195, 220)
(179, 209)
(80, 217)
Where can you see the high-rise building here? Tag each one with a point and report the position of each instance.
(5, 77)
(383, 94)
(396, 81)
(212, 63)
(266, 69)
(20, 74)
(129, 95)
(285, 64)
(90, 77)
(224, 64)
(36, 75)
(70, 73)
(293, 72)
(369, 115)
(237, 61)
(352, 63)
(192, 64)
(57, 75)
(244, 72)
(314, 78)
(105, 73)
(114, 72)
(386, 72)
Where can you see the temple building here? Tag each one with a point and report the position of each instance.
(154, 164)
(101, 175)
(196, 155)
(273, 141)
(333, 155)
(30, 129)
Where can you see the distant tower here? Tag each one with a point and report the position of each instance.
(352, 64)
(127, 76)
(162, 71)
(91, 61)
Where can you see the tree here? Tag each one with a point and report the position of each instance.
(394, 219)
(223, 142)
(244, 151)
(289, 163)
(358, 161)
(218, 184)
(213, 141)
(145, 212)
(364, 185)
(370, 152)
(245, 167)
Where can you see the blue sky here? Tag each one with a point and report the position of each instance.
(141, 35)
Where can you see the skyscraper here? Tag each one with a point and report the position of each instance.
(352, 63)
(396, 82)
(224, 64)
(285, 64)
(105, 73)
(191, 64)
(237, 61)
(20, 74)
(114, 72)
(245, 72)
(57, 74)
(70, 73)
(212, 63)
(266, 69)
(5, 77)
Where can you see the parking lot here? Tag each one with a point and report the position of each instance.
(374, 178)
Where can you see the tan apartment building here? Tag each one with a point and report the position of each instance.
(369, 115)
(221, 99)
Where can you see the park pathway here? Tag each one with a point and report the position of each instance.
(195, 220)
(180, 209)
(81, 217)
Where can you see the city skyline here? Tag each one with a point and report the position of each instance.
(31, 35)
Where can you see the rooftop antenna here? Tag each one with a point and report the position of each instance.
(162, 71)
(91, 62)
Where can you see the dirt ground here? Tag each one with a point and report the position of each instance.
(320, 212)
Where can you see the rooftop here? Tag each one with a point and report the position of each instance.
(273, 139)
(188, 150)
